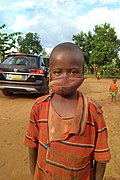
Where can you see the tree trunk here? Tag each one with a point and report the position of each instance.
(95, 70)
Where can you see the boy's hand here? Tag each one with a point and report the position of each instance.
(99, 170)
(32, 160)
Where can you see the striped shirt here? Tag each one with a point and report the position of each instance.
(70, 158)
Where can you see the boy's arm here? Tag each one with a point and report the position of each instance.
(32, 160)
(101, 153)
(99, 170)
(117, 90)
(109, 89)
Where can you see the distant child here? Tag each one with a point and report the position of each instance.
(98, 76)
(113, 90)
(67, 134)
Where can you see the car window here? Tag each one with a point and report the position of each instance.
(22, 60)
(45, 61)
(9, 60)
(33, 61)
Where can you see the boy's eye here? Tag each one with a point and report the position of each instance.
(57, 73)
(73, 72)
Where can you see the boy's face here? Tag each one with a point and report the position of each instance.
(114, 81)
(66, 64)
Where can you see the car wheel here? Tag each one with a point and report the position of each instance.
(7, 93)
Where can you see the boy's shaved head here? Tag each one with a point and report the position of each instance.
(69, 49)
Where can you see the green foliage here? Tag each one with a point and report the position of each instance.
(100, 48)
(31, 44)
(7, 41)
(105, 45)
(83, 40)
(80, 39)
(111, 69)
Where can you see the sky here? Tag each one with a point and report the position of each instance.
(56, 21)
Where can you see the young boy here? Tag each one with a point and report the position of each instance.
(67, 135)
(113, 90)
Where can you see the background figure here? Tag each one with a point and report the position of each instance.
(98, 76)
(113, 90)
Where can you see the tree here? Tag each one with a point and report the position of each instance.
(31, 44)
(83, 40)
(105, 46)
(111, 69)
(79, 39)
(100, 48)
(7, 41)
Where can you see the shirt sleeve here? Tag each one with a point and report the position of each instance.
(101, 151)
(31, 136)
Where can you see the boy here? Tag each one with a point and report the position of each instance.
(67, 134)
(113, 90)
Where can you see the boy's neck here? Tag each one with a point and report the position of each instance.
(65, 106)
(66, 97)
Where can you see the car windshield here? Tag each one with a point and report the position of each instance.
(21, 60)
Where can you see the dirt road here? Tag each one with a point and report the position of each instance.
(14, 116)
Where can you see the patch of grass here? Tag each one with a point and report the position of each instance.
(111, 76)
(103, 76)
(90, 75)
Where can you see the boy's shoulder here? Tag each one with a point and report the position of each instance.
(93, 104)
(44, 98)
(41, 102)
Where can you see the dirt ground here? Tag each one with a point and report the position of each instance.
(14, 116)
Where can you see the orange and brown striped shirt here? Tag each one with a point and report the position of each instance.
(71, 157)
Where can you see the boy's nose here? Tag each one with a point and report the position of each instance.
(65, 75)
